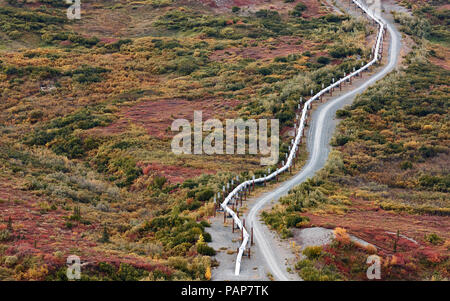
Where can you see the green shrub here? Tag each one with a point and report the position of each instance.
(434, 239)
(207, 237)
(205, 224)
(310, 273)
(313, 274)
(298, 10)
(175, 230)
(344, 51)
(114, 47)
(436, 183)
(285, 233)
(105, 235)
(186, 66)
(204, 195)
(265, 71)
(303, 264)
(341, 140)
(10, 261)
(128, 167)
(264, 13)
(159, 181)
(189, 183)
(127, 272)
(68, 225)
(39, 72)
(72, 147)
(427, 151)
(87, 75)
(206, 250)
(293, 220)
(323, 60)
(406, 165)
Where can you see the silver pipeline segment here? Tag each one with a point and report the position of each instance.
(291, 157)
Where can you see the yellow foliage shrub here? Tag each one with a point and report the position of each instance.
(208, 273)
(35, 273)
(427, 127)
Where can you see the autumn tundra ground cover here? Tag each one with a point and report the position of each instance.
(387, 179)
(86, 109)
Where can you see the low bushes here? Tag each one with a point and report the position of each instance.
(5, 235)
(344, 51)
(69, 39)
(434, 239)
(38, 72)
(281, 222)
(105, 271)
(310, 270)
(205, 250)
(87, 74)
(179, 234)
(59, 133)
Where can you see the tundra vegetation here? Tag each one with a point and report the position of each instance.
(387, 179)
(86, 107)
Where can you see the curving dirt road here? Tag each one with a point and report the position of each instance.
(320, 132)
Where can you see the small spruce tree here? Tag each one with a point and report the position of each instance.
(9, 226)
